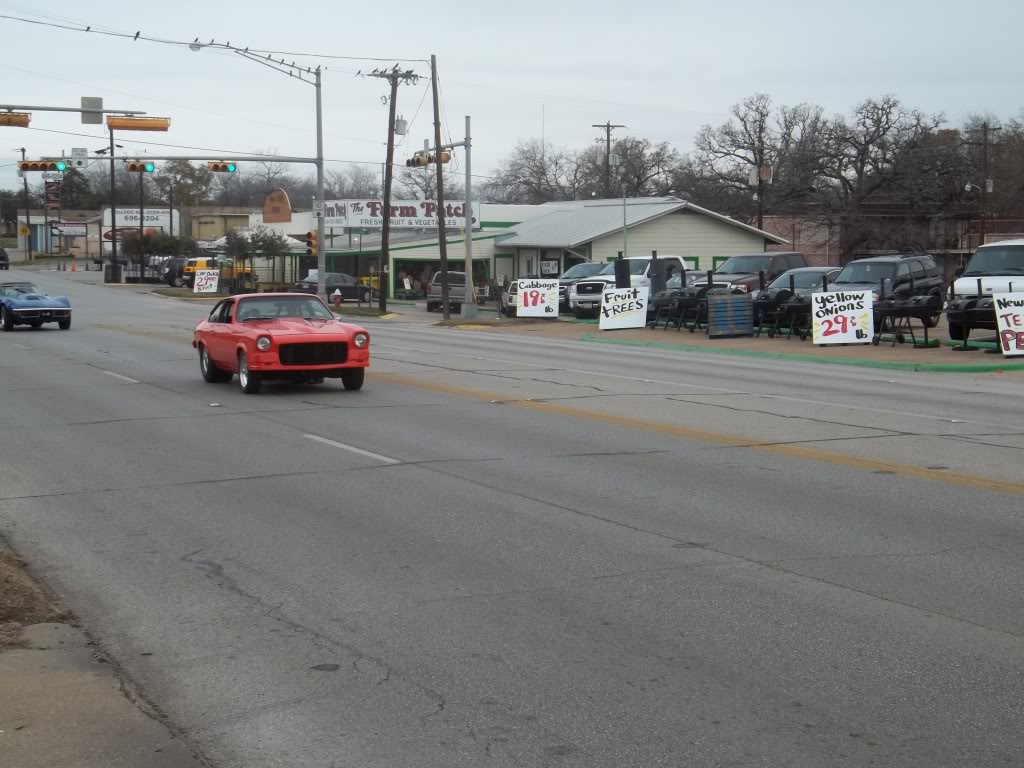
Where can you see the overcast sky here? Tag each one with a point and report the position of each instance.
(663, 68)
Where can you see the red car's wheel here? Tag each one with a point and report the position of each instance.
(249, 381)
(211, 373)
(353, 378)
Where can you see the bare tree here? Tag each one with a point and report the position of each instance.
(354, 182)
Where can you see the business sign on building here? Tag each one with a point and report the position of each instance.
(277, 208)
(154, 220)
(53, 197)
(1010, 322)
(405, 214)
(842, 317)
(623, 308)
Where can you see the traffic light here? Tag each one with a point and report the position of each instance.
(141, 166)
(43, 165)
(126, 123)
(15, 119)
(222, 167)
(312, 243)
(418, 160)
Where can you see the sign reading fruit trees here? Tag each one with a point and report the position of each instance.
(1010, 322)
(537, 298)
(842, 317)
(623, 308)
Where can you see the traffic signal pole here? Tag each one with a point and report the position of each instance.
(28, 215)
(114, 269)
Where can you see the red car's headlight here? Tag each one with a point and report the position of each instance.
(361, 340)
(263, 343)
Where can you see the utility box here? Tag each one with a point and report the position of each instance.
(730, 315)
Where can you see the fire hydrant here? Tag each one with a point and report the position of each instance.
(336, 298)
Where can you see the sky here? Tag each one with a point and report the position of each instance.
(521, 69)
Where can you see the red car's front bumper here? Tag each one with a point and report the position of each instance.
(270, 362)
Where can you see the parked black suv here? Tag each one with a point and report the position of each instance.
(899, 275)
(740, 273)
(173, 271)
(5, 260)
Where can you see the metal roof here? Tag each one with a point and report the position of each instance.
(587, 221)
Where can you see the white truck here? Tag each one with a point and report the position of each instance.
(585, 296)
(994, 268)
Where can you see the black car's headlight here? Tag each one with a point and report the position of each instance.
(361, 340)
(263, 343)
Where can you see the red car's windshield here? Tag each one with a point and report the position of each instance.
(275, 307)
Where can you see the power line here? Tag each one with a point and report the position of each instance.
(182, 43)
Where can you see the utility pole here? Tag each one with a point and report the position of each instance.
(394, 76)
(142, 219)
(321, 255)
(28, 215)
(442, 240)
(607, 128)
(114, 268)
(469, 311)
(759, 158)
(986, 182)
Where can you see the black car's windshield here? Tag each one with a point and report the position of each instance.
(275, 307)
(587, 269)
(869, 272)
(1004, 260)
(454, 278)
(636, 267)
(742, 264)
(803, 280)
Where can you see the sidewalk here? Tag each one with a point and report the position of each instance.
(63, 703)
(943, 358)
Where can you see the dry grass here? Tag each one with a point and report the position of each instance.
(22, 601)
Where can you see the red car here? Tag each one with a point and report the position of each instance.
(287, 336)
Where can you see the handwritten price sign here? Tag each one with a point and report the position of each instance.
(537, 298)
(842, 317)
(1010, 322)
(207, 281)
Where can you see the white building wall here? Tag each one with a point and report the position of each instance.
(684, 233)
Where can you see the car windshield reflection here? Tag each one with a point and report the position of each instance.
(306, 308)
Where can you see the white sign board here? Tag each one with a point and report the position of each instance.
(318, 209)
(64, 229)
(207, 281)
(537, 298)
(1010, 322)
(549, 267)
(623, 308)
(842, 317)
(405, 214)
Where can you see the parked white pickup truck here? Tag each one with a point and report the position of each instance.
(994, 268)
(585, 296)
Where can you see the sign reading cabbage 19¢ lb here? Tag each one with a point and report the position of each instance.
(1010, 322)
(623, 308)
(207, 281)
(537, 298)
(842, 317)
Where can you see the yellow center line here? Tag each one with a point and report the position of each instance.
(720, 438)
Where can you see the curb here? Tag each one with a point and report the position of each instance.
(888, 364)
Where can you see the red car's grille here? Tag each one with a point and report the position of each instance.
(314, 353)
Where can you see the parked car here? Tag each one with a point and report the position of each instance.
(804, 279)
(573, 275)
(900, 275)
(25, 304)
(456, 291)
(5, 260)
(228, 269)
(994, 268)
(741, 273)
(509, 299)
(279, 336)
(350, 288)
(585, 294)
(173, 272)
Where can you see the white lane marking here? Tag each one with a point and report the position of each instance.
(122, 378)
(353, 449)
(23, 346)
(802, 400)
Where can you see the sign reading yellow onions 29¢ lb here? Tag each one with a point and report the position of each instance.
(537, 298)
(842, 317)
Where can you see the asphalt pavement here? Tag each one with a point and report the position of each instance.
(528, 552)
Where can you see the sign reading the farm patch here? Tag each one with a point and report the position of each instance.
(537, 298)
(623, 308)
(842, 317)
(1010, 322)
(207, 281)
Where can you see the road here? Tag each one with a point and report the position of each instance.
(517, 551)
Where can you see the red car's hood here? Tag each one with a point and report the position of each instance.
(294, 326)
